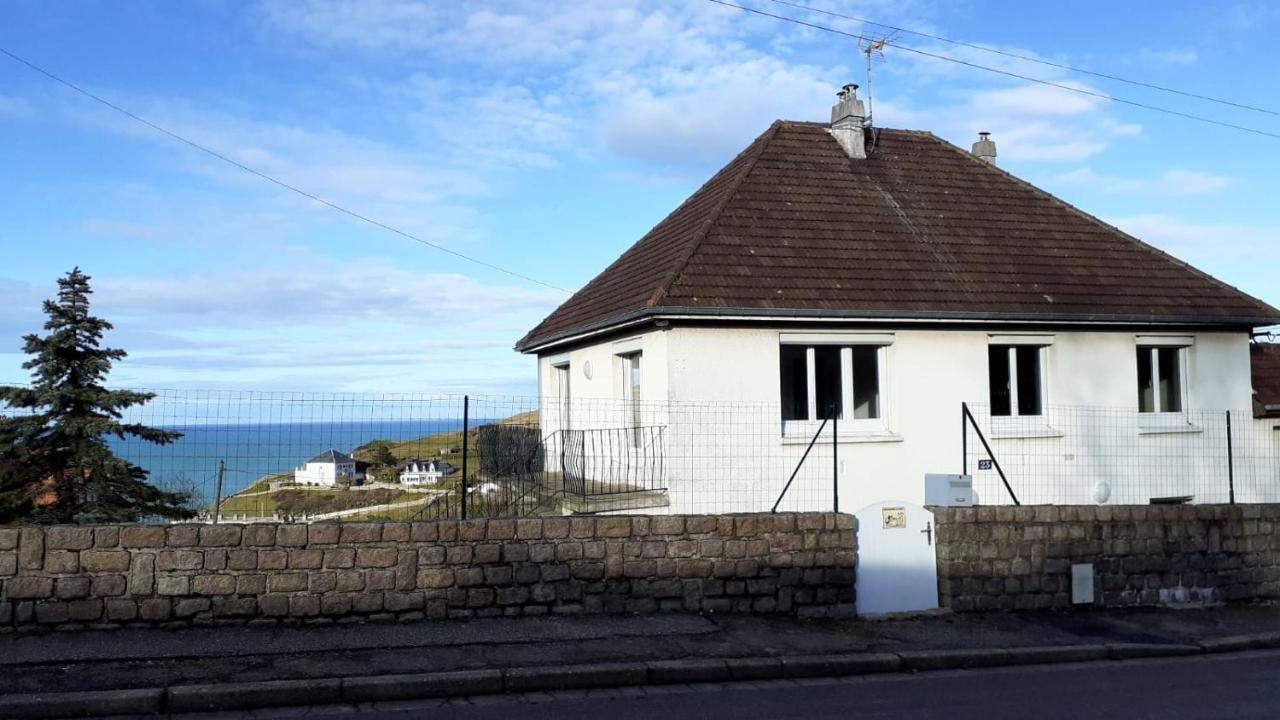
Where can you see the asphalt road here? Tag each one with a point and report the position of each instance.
(1239, 686)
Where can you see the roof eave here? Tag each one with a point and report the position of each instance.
(634, 317)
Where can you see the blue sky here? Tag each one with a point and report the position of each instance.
(546, 137)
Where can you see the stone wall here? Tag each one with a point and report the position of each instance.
(1005, 558)
(799, 564)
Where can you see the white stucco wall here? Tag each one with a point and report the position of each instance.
(717, 390)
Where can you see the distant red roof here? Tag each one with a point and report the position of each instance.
(920, 229)
(1265, 359)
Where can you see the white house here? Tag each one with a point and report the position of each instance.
(425, 472)
(893, 276)
(326, 468)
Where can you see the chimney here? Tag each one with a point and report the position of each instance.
(847, 118)
(985, 148)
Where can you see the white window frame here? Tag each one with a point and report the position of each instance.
(561, 371)
(632, 361)
(848, 426)
(1159, 418)
(1014, 411)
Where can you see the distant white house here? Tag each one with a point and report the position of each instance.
(327, 467)
(425, 472)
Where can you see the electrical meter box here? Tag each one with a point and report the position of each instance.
(948, 490)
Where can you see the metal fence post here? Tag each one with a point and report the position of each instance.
(964, 438)
(466, 422)
(835, 459)
(217, 502)
(1231, 464)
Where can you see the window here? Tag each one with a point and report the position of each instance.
(1160, 379)
(817, 380)
(631, 393)
(1016, 379)
(562, 393)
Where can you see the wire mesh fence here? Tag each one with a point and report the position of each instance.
(1084, 455)
(306, 457)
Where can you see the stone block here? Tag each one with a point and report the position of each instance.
(348, 581)
(471, 530)
(613, 527)
(142, 536)
(380, 579)
(306, 558)
(142, 574)
(360, 532)
(60, 562)
(424, 532)
(376, 557)
(242, 560)
(121, 610)
(167, 560)
(70, 538)
(272, 559)
(85, 610)
(215, 559)
(29, 588)
(159, 609)
(173, 585)
(487, 554)
(666, 525)
(273, 605)
(259, 535)
(8, 538)
(435, 578)
(582, 527)
(219, 535)
(224, 606)
(330, 534)
(9, 564)
(176, 536)
(528, 529)
(288, 536)
(515, 552)
(501, 529)
(251, 584)
(71, 588)
(459, 555)
(52, 612)
(322, 582)
(304, 606)
(555, 528)
(403, 601)
(108, 585)
(213, 584)
(30, 548)
(286, 582)
(395, 532)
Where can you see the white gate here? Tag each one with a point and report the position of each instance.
(897, 562)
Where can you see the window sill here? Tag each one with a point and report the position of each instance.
(869, 436)
(1027, 433)
(1169, 429)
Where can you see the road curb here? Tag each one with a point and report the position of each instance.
(401, 687)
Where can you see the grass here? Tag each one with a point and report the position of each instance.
(300, 500)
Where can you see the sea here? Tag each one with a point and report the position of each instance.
(252, 451)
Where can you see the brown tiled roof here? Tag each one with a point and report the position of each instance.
(920, 229)
(1265, 359)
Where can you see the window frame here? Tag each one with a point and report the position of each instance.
(1152, 347)
(1042, 379)
(848, 425)
(631, 372)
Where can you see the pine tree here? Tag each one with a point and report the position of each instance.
(55, 464)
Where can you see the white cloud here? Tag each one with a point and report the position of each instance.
(15, 107)
(1204, 239)
(1167, 183)
(1182, 56)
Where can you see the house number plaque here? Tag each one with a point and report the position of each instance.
(895, 518)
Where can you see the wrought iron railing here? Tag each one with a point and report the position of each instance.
(613, 461)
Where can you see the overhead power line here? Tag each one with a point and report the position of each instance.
(1007, 73)
(1028, 58)
(275, 181)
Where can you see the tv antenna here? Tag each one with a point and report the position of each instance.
(870, 49)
